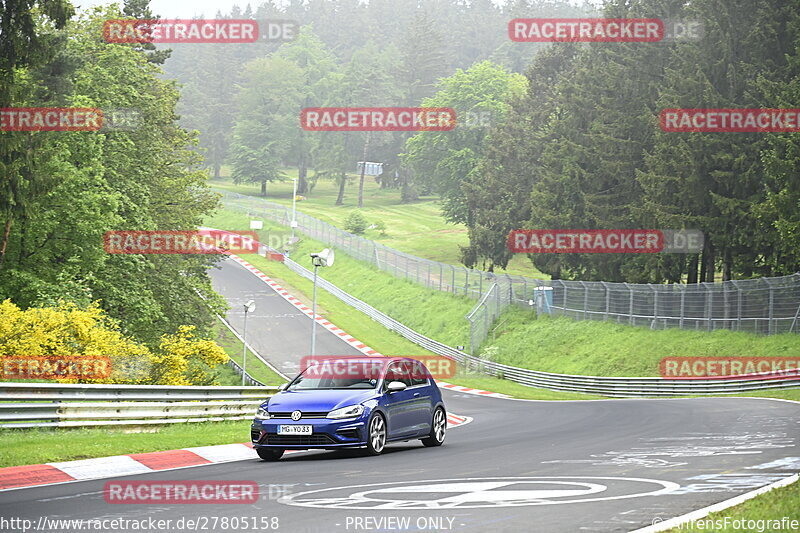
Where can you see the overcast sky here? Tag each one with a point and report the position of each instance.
(196, 8)
(180, 8)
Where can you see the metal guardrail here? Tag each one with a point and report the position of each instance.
(605, 386)
(26, 405)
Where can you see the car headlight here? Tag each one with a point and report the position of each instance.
(262, 414)
(351, 411)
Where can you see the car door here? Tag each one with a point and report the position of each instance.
(421, 397)
(400, 405)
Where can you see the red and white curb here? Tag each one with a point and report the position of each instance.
(363, 348)
(468, 390)
(339, 332)
(19, 477)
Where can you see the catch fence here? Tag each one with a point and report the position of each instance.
(764, 305)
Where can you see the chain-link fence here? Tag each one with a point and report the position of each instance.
(765, 305)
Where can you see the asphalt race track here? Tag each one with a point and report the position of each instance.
(276, 329)
(520, 466)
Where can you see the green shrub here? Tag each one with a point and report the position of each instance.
(356, 223)
(380, 225)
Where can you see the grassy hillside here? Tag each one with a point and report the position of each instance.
(549, 344)
(558, 344)
(415, 228)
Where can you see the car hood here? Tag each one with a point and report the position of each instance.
(318, 400)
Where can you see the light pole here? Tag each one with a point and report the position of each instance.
(249, 307)
(294, 207)
(323, 258)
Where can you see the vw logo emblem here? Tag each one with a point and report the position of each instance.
(296, 415)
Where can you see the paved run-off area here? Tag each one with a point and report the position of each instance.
(611, 465)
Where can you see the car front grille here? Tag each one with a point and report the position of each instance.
(306, 414)
(255, 434)
(299, 440)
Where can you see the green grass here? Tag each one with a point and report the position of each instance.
(786, 394)
(563, 345)
(416, 228)
(257, 369)
(559, 345)
(772, 505)
(437, 314)
(34, 446)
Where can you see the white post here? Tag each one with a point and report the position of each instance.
(244, 347)
(314, 314)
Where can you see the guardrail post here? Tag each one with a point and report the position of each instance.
(585, 299)
(525, 290)
(630, 304)
(471, 336)
(655, 306)
(770, 323)
(725, 303)
(794, 321)
(738, 305)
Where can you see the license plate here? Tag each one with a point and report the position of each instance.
(294, 430)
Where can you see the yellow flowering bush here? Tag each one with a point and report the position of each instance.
(185, 359)
(37, 341)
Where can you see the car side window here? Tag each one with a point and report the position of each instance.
(418, 374)
(399, 371)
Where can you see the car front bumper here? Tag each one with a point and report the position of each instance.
(326, 434)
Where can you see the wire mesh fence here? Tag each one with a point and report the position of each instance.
(764, 305)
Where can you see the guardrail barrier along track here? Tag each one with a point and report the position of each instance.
(26, 405)
(605, 386)
(765, 305)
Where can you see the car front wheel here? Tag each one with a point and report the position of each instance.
(376, 434)
(269, 454)
(438, 429)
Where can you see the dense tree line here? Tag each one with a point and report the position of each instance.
(577, 146)
(60, 191)
(583, 148)
(350, 52)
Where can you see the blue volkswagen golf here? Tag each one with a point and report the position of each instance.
(350, 402)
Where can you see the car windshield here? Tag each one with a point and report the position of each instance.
(338, 375)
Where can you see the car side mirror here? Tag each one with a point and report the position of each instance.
(283, 386)
(396, 386)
